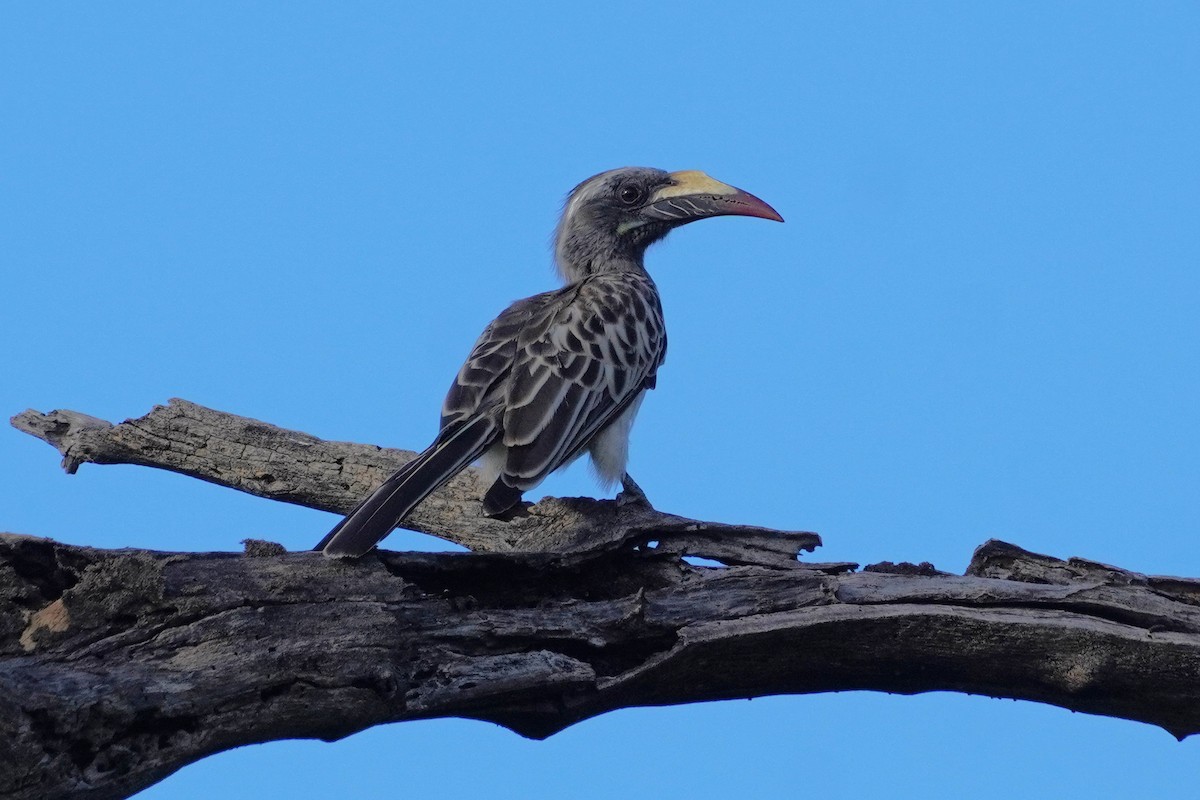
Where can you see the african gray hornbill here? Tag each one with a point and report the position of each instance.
(564, 371)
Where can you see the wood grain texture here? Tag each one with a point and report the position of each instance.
(279, 464)
(119, 667)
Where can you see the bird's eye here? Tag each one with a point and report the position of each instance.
(630, 194)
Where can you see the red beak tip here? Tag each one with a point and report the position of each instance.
(757, 207)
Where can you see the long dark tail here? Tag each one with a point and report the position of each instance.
(383, 509)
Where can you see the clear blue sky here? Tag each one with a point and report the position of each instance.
(980, 319)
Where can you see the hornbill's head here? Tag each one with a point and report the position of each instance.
(614, 216)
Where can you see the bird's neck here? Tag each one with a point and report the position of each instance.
(581, 268)
(590, 243)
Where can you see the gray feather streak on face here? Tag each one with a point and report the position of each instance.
(595, 233)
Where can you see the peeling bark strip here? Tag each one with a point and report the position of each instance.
(119, 667)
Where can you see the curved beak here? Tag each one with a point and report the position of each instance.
(692, 195)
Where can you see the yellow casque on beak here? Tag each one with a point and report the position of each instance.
(693, 181)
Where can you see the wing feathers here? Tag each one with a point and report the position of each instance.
(602, 348)
(546, 452)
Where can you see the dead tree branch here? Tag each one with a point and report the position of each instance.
(279, 464)
(119, 667)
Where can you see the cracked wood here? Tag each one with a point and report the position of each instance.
(119, 667)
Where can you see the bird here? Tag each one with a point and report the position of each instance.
(562, 372)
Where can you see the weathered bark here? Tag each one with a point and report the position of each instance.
(279, 464)
(119, 667)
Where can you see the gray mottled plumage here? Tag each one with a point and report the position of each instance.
(561, 372)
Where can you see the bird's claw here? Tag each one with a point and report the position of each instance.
(632, 494)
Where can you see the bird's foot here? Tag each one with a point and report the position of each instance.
(631, 494)
(518, 509)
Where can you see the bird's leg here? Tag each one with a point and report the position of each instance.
(631, 493)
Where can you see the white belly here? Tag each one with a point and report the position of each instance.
(610, 448)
